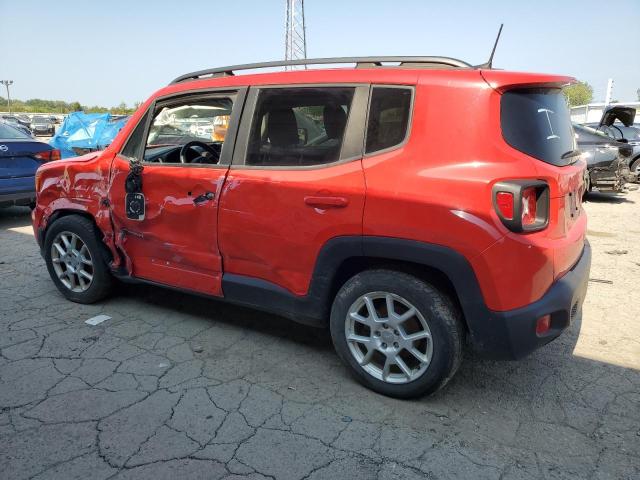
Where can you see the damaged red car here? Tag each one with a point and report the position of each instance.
(409, 207)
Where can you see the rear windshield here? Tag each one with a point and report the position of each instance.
(7, 132)
(536, 121)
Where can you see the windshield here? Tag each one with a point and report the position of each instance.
(536, 121)
(178, 125)
(7, 132)
(39, 120)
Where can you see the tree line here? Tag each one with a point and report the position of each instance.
(581, 93)
(38, 105)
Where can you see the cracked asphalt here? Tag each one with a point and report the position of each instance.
(177, 386)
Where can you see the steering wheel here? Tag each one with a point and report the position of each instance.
(195, 143)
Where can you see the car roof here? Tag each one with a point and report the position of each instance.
(498, 79)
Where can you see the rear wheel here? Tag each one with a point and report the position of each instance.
(635, 168)
(75, 259)
(399, 335)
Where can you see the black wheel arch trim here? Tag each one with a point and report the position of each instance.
(504, 335)
(314, 308)
(65, 212)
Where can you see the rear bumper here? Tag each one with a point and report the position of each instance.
(512, 334)
(21, 198)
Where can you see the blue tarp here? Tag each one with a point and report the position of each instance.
(86, 132)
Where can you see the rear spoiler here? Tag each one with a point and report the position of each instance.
(501, 80)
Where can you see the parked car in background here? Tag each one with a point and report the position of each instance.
(24, 119)
(17, 125)
(618, 123)
(20, 157)
(20, 120)
(371, 219)
(41, 125)
(607, 159)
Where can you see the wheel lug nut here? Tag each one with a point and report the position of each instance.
(377, 334)
(384, 345)
(385, 326)
(395, 344)
(395, 332)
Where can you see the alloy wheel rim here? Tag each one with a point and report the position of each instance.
(72, 261)
(388, 337)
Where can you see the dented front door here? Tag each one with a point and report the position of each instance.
(175, 242)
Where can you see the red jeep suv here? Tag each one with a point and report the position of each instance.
(408, 207)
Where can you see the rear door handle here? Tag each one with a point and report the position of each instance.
(326, 202)
(205, 197)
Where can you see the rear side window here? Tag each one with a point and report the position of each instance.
(537, 122)
(299, 126)
(388, 117)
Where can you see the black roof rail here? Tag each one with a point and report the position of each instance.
(362, 62)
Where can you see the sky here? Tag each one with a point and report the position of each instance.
(103, 53)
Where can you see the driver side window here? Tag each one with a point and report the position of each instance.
(189, 131)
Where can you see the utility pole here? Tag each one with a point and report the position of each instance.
(607, 99)
(295, 32)
(7, 83)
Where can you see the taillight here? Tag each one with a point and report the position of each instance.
(504, 202)
(522, 205)
(48, 155)
(529, 206)
(38, 178)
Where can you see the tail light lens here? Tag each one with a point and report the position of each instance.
(529, 206)
(504, 202)
(522, 205)
(49, 155)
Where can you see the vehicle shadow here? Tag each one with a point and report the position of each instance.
(550, 382)
(12, 217)
(600, 197)
(233, 316)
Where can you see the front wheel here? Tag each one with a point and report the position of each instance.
(75, 259)
(399, 335)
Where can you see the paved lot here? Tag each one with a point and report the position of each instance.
(175, 386)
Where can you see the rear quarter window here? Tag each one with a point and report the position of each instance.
(536, 121)
(388, 117)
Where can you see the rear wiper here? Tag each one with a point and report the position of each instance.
(570, 153)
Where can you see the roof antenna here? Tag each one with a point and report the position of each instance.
(489, 62)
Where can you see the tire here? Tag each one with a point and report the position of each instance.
(440, 359)
(634, 167)
(79, 231)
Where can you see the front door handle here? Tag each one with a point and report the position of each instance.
(205, 197)
(326, 202)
